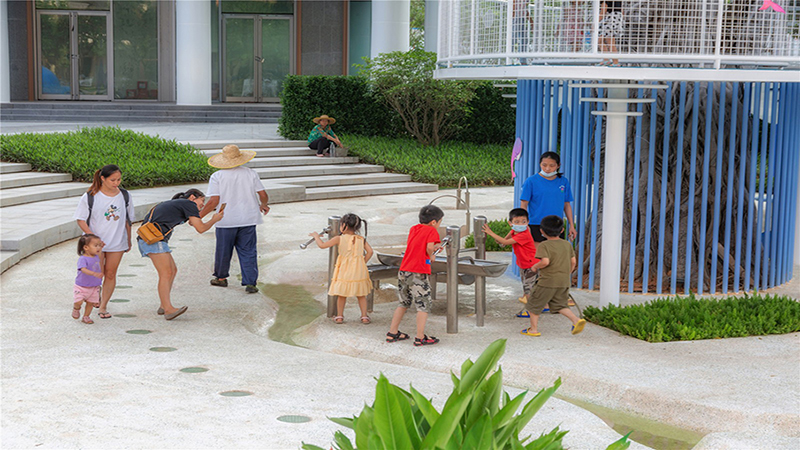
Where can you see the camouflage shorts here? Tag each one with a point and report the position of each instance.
(416, 288)
(529, 278)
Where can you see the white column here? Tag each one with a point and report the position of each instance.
(5, 82)
(390, 26)
(193, 52)
(431, 25)
(613, 197)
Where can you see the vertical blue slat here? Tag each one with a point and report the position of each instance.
(676, 210)
(635, 194)
(714, 254)
(762, 168)
(741, 185)
(544, 127)
(780, 191)
(598, 127)
(664, 180)
(651, 161)
(553, 113)
(783, 108)
(729, 204)
(701, 254)
(770, 168)
(585, 187)
(795, 181)
(751, 186)
(687, 284)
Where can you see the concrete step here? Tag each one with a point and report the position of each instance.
(270, 152)
(345, 180)
(7, 259)
(135, 117)
(308, 171)
(20, 179)
(322, 193)
(9, 167)
(282, 161)
(244, 143)
(30, 194)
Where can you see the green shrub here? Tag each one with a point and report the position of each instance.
(477, 415)
(145, 160)
(444, 164)
(345, 98)
(490, 117)
(501, 228)
(432, 110)
(689, 318)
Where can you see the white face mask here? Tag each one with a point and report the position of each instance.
(519, 228)
(548, 174)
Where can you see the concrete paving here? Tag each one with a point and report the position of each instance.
(70, 385)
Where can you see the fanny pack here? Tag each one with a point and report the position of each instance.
(150, 232)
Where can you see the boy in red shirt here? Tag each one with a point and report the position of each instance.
(413, 278)
(521, 241)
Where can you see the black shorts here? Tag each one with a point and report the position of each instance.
(536, 233)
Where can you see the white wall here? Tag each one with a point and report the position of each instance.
(390, 26)
(193, 52)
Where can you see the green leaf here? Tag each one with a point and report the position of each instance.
(448, 421)
(479, 435)
(342, 442)
(364, 427)
(425, 406)
(389, 420)
(344, 421)
(483, 365)
(620, 444)
(311, 447)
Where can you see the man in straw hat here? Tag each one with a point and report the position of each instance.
(322, 136)
(239, 191)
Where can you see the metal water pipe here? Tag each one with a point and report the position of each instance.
(480, 282)
(454, 233)
(334, 224)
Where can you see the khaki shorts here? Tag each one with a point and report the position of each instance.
(558, 298)
(416, 288)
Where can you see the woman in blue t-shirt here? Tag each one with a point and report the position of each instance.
(547, 193)
(184, 207)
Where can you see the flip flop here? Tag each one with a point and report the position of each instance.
(578, 327)
(523, 300)
(524, 313)
(177, 313)
(527, 332)
(104, 315)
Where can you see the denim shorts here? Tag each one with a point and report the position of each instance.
(159, 247)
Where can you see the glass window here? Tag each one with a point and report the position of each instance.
(136, 50)
(82, 5)
(215, 51)
(258, 6)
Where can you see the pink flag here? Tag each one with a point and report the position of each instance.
(770, 4)
(516, 152)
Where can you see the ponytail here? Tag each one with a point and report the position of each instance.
(196, 192)
(104, 172)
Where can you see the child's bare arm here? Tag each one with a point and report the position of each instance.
(368, 248)
(544, 262)
(325, 244)
(432, 248)
(573, 264)
(501, 241)
(89, 272)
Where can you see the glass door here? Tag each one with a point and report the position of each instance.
(74, 51)
(257, 56)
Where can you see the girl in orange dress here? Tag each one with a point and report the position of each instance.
(351, 276)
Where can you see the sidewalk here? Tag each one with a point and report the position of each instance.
(69, 385)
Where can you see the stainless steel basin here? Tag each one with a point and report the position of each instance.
(466, 265)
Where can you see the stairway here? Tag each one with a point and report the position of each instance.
(37, 208)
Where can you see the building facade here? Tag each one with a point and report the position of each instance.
(187, 51)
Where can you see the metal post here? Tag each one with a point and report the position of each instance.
(376, 284)
(480, 282)
(454, 233)
(333, 253)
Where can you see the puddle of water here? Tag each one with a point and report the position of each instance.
(296, 308)
(644, 431)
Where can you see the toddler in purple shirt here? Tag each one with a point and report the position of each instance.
(89, 278)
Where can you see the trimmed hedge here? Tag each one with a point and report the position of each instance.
(444, 164)
(145, 161)
(690, 318)
(345, 98)
(501, 228)
(357, 110)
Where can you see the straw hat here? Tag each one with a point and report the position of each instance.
(330, 120)
(231, 157)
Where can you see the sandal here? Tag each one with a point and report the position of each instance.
(426, 340)
(104, 315)
(365, 320)
(76, 313)
(399, 336)
(338, 320)
(87, 320)
(527, 332)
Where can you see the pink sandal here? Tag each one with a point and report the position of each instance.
(76, 313)
(338, 320)
(365, 320)
(87, 320)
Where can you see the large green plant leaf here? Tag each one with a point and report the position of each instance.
(447, 422)
(425, 406)
(620, 444)
(389, 420)
(483, 365)
(479, 435)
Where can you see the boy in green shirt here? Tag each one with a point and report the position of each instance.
(556, 263)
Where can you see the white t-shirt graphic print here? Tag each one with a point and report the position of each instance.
(108, 219)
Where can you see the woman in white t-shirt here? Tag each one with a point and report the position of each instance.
(106, 210)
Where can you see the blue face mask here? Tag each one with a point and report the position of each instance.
(519, 228)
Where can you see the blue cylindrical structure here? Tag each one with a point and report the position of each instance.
(711, 193)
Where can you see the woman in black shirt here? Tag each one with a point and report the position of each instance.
(612, 24)
(184, 207)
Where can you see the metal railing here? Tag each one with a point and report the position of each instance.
(700, 33)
